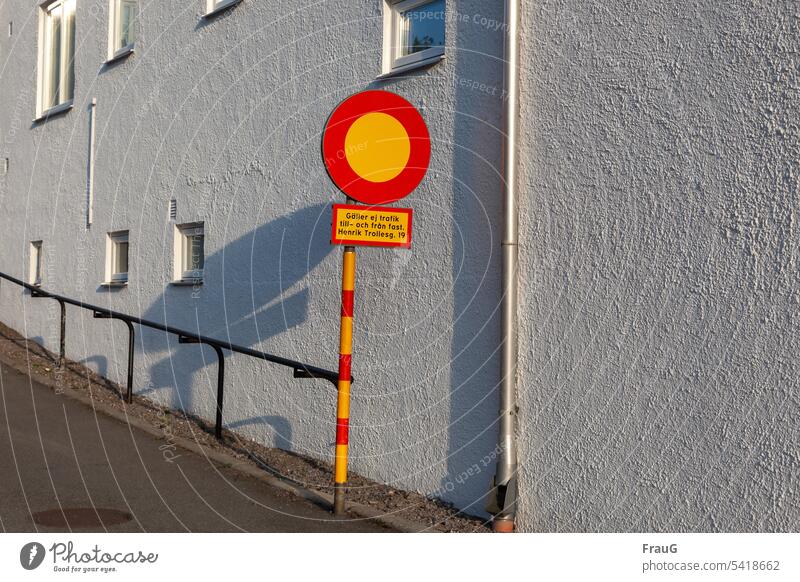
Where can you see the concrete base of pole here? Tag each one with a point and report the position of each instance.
(338, 500)
(503, 525)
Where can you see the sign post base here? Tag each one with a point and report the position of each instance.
(338, 500)
(345, 377)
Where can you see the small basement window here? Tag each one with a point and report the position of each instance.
(117, 258)
(123, 22)
(413, 33)
(189, 252)
(36, 263)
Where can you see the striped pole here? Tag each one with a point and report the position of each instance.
(345, 359)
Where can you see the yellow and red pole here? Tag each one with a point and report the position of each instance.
(343, 386)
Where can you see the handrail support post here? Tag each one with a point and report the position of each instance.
(62, 352)
(131, 346)
(220, 378)
(220, 388)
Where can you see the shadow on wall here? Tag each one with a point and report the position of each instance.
(248, 296)
(477, 212)
(280, 426)
(98, 363)
(474, 373)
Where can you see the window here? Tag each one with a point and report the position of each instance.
(117, 258)
(123, 22)
(36, 263)
(189, 252)
(215, 6)
(413, 33)
(56, 56)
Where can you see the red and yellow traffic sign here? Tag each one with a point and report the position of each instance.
(373, 227)
(376, 147)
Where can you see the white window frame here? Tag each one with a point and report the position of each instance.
(216, 6)
(113, 240)
(114, 16)
(36, 263)
(393, 60)
(43, 90)
(181, 274)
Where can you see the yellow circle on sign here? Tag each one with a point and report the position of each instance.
(377, 147)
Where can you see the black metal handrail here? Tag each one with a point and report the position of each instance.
(300, 370)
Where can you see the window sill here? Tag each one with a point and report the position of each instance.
(221, 8)
(53, 111)
(411, 67)
(114, 284)
(120, 55)
(187, 282)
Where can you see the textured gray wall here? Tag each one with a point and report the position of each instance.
(659, 256)
(660, 282)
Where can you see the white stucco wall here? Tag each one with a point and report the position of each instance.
(659, 363)
(659, 246)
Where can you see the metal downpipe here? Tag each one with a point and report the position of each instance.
(503, 497)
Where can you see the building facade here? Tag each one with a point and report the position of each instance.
(163, 159)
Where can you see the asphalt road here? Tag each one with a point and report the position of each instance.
(58, 454)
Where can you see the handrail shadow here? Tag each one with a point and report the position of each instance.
(300, 370)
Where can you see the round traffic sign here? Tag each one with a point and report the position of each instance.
(376, 147)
